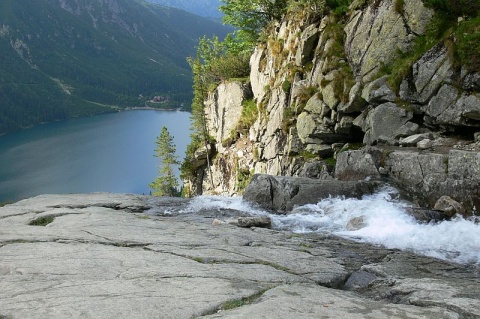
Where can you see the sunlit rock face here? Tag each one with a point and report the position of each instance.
(322, 88)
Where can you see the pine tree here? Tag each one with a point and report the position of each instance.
(166, 183)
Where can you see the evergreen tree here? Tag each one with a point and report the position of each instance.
(166, 183)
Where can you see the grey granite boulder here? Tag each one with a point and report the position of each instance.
(358, 165)
(449, 206)
(387, 123)
(281, 194)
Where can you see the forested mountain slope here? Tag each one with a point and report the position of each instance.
(64, 58)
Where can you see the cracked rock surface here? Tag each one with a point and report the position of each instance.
(128, 256)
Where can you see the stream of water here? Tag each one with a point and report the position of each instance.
(385, 222)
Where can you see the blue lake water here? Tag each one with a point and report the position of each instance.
(105, 153)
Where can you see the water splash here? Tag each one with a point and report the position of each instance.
(382, 219)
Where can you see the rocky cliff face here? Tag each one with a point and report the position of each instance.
(324, 85)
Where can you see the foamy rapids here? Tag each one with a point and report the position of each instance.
(385, 222)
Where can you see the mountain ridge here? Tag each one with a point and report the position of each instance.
(204, 8)
(70, 58)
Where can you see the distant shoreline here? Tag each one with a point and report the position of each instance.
(113, 110)
(134, 108)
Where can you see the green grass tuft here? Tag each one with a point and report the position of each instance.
(42, 221)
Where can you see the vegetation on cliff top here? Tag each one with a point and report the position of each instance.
(456, 23)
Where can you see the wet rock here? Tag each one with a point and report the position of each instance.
(281, 194)
(257, 221)
(426, 215)
(356, 223)
(476, 136)
(449, 206)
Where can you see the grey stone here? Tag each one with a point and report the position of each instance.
(450, 108)
(387, 122)
(446, 97)
(359, 280)
(223, 108)
(358, 165)
(308, 41)
(425, 144)
(426, 215)
(356, 223)
(329, 96)
(321, 150)
(412, 140)
(406, 129)
(255, 221)
(316, 169)
(345, 125)
(410, 168)
(200, 156)
(471, 82)
(369, 42)
(294, 145)
(281, 194)
(312, 131)
(470, 106)
(449, 206)
(428, 177)
(355, 101)
(257, 73)
(407, 91)
(432, 70)
(464, 165)
(378, 92)
(311, 302)
(316, 106)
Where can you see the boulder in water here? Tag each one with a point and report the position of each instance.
(449, 206)
(281, 193)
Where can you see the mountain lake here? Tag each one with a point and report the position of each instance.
(105, 153)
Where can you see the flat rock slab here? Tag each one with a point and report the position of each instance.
(127, 256)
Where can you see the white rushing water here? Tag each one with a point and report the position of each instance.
(385, 222)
